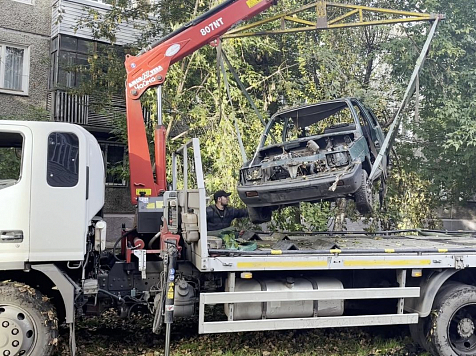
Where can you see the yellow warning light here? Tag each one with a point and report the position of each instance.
(417, 272)
(246, 275)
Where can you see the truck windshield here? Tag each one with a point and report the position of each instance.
(11, 145)
(308, 121)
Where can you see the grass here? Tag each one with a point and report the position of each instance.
(110, 336)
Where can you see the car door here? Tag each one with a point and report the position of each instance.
(15, 192)
(366, 128)
(378, 137)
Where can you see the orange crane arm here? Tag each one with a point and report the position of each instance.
(149, 68)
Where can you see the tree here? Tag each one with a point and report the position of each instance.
(444, 134)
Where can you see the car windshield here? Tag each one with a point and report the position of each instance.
(308, 121)
(10, 158)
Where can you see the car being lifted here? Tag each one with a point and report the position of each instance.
(311, 153)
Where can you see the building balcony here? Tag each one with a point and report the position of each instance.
(67, 13)
(88, 111)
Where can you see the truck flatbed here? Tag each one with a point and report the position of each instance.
(406, 249)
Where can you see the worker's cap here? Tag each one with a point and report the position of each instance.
(220, 193)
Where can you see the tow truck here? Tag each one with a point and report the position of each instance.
(54, 265)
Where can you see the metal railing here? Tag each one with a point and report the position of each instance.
(232, 325)
(199, 186)
(70, 108)
(87, 110)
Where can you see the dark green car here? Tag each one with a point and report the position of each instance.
(311, 153)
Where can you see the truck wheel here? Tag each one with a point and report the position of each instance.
(364, 196)
(28, 323)
(454, 322)
(259, 215)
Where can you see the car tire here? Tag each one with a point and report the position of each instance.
(364, 196)
(454, 322)
(259, 215)
(28, 321)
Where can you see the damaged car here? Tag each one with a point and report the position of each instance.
(312, 153)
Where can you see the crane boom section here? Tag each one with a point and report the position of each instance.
(149, 68)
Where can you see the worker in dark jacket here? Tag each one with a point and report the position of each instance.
(220, 215)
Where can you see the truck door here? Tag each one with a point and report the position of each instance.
(15, 192)
(59, 194)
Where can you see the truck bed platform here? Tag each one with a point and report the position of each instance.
(395, 249)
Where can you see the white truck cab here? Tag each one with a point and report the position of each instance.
(51, 186)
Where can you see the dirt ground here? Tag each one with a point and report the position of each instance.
(110, 336)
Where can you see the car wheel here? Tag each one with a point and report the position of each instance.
(454, 322)
(259, 215)
(364, 196)
(28, 322)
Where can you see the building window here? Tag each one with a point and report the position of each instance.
(63, 159)
(14, 69)
(54, 62)
(70, 59)
(114, 155)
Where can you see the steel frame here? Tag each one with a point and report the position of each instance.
(393, 130)
(331, 262)
(200, 249)
(304, 323)
(355, 16)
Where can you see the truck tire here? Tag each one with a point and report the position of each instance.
(454, 322)
(364, 196)
(259, 215)
(28, 322)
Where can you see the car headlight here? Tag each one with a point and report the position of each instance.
(338, 159)
(253, 174)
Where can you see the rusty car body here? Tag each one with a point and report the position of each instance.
(311, 153)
